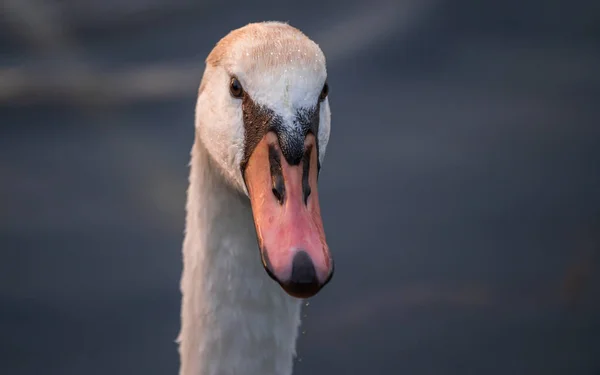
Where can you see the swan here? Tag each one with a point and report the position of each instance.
(262, 124)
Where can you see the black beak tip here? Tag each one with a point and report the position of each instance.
(303, 282)
(301, 290)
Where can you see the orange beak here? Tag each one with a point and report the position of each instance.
(287, 217)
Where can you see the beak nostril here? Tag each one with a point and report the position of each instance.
(276, 175)
(306, 190)
(279, 194)
(278, 187)
(306, 193)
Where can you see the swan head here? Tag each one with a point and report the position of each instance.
(263, 115)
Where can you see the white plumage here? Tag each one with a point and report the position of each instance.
(235, 319)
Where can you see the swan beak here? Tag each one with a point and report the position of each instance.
(287, 217)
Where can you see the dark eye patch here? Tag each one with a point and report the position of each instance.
(259, 120)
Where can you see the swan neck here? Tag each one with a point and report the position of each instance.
(235, 319)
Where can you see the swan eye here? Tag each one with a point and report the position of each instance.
(324, 92)
(236, 88)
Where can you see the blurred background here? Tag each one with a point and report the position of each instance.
(460, 194)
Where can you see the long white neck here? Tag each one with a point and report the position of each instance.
(235, 319)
